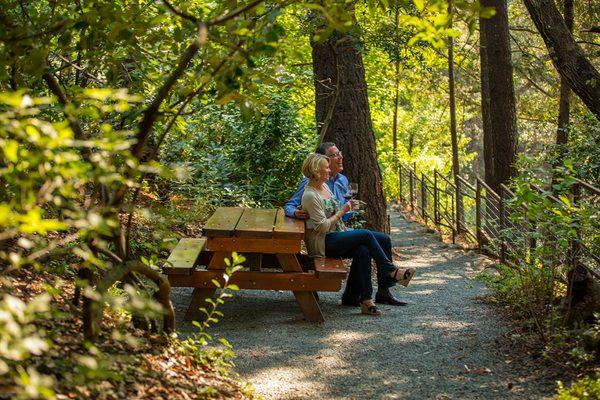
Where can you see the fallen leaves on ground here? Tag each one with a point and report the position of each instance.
(147, 366)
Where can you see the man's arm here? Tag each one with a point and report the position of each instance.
(291, 207)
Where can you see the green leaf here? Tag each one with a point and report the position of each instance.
(487, 12)
(5, 211)
(11, 148)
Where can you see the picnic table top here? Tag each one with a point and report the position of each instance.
(253, 223)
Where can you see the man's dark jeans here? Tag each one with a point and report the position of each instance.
(362, 245)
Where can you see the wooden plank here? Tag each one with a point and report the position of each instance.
(184, 256)
(330, 268)
(223, 222)
(256, 223)
(254, 245)
(296, 281)
(288, 228)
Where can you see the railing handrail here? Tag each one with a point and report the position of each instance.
(491, 217)
(463, 180)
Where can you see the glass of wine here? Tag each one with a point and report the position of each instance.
(352, 189)
(352, 192)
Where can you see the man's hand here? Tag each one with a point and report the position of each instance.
(301, 214)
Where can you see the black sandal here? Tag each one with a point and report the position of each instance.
(406, 274)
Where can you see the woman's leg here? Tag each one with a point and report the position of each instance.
(339, 244)
(384, 280)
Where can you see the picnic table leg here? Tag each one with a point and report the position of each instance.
(199, 297)
(306, 299)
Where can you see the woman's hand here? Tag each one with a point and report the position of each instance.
(347, 207)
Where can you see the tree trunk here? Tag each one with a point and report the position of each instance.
(396, 89)
(565, 92)
(343, 117)
(567, 56)
(453, 130)
(488, 149)
(497, 96)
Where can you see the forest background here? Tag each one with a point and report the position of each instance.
(126, 123)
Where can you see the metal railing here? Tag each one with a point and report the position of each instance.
(494, 222)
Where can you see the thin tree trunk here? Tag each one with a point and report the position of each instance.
(565, 92)
(488, 148)
(453, 130)
(396, 90)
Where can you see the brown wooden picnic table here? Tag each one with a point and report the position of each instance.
(271, 243)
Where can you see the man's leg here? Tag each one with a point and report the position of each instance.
(384, 280)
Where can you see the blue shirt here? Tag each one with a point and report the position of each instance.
(337, 185)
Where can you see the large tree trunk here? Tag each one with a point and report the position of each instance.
(343, 117)
(566, 54)
(498, 96)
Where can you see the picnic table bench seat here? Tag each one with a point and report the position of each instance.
(271, 243)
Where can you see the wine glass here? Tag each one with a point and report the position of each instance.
(353, 189)
(349, 196)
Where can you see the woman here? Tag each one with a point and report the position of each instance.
(326, 235)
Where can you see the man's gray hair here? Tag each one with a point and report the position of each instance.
(322, 149)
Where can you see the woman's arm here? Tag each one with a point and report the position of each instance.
(314, 204)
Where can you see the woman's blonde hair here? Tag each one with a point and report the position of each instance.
(311, 167)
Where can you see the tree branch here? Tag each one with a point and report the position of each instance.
(593, 29)
(586, 42)
(62, 99)
(234, 13)
(181, 13)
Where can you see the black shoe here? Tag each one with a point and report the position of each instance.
(350, 301)
(388, 299)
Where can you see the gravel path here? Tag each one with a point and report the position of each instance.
(443, 345)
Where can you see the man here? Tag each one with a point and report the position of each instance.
(338, 184)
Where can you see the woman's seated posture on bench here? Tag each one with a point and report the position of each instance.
(326, 235)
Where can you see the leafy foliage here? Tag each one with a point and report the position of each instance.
(585, 388)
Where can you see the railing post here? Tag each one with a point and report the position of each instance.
(532, 241)
(458, 207)
(502, 226)
(575, 242)
(453, 216)
(423, 198)
(401, 197)
(436, 215)
(478, 214)
(411, 182)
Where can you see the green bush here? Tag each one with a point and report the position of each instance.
(227, 158)
(587, 388)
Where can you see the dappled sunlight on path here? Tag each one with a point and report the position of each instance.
(442, 345)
